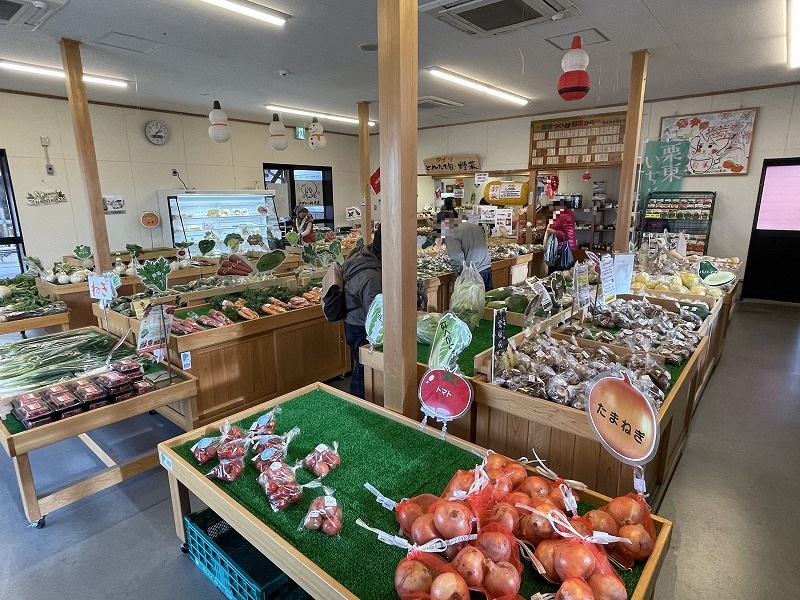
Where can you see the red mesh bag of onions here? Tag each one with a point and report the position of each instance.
(425, 576)
(635, 523)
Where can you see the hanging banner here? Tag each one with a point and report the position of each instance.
(375, 181)
(663, 167)
(155, 328)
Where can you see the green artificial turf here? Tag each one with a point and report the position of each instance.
(14, 425)
(399, 461)
(481, 340)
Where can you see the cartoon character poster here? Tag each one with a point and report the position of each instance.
(719, 143)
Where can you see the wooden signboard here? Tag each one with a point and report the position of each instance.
(578, 142)
(456, 163)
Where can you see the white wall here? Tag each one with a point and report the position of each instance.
(504, 145)
(131, 166)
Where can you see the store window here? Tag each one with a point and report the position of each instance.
(302, 185)
(11, 246)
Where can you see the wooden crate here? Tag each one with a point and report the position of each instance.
(249, 362)
(501, 272)
(58, 321)
(185, 478)
(76, 296)
(512, 423)
(437, 290)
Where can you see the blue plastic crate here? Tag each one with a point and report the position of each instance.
(239, 570)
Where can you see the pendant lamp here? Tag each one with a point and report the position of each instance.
(574, 83)
(278, 140)
(218, 131)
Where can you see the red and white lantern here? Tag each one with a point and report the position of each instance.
(574, 83)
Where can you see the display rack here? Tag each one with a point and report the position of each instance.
(689, 213)
(198, 215)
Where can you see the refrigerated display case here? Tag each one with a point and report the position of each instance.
(194, 215)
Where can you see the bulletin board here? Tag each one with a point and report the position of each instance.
(719, 142)
(578, 142)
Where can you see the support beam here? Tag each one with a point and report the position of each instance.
(363, 154)
(397, 97)
(84, 140)
(630, 150)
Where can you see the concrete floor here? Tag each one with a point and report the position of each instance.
(738, 473)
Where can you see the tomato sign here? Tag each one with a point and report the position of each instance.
(444, 396)
(623, 419)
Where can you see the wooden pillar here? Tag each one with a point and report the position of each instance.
(630, 150)
(397, 97)
(84, 140)
(363, 152)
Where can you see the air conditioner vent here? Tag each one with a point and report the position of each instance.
(30, 14)
(491, 17)
(433, 102)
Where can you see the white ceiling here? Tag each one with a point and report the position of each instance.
(206, 53)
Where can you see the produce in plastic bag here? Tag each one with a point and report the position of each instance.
(324, 513)
(265, 424)
(271, 448)
(469, 296)
(426, 327)
(206, 449)
(451, 337)
(227, 470)
(322, 459)
(281, 487)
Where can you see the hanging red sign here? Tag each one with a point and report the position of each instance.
(623, 419)
(444, 395)
(375, 181)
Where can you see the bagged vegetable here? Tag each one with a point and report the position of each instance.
(451, 337)
(469, 296)
(325, 514)
(265, 424)
(426, 327)
(322, 459)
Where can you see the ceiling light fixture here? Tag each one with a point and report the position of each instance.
(319, 115)
(251, 9)
(793, 32)
(59, 74)
(477, 85)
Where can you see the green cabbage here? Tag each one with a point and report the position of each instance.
(426, 327)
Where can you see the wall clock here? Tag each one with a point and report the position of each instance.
(156, 132)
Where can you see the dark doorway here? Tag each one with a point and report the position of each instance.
(11, 247)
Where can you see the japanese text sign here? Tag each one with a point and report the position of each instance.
(451, 337)
(581, 278)
(101, 287)
(607, 279)
(623, 419)
(155, 328)
(456, 163)
(663, 166)
(374, 321)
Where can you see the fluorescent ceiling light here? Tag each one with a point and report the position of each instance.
(252, 10)
(59, 74)
(477, 85)
(319, 115)
(793, 32)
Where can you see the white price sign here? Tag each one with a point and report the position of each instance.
(581, 276)
(607, 279)
(481, 178)
(623, 272)
(155, 328)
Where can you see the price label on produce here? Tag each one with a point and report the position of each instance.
(155, 328)
(607, 279)
(101, 287)
(581, 278)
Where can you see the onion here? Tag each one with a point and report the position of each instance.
(520, 498)
(453, 549)
(642, 543)
(425, 500)
(573, 559)
(496, 461)
(534, 528)
(607, 587)
(504, 514)
(557, 497)
(503, 485)
(469, 563)
(452, 519)
(535, 486)
(517, 472)
(412, 576)
(500, 579)
(495, 545)
(461, 482)
(582, 526)
(449, 586)
(626, 511)
(423, 530)
(601, 521)
(406, 513)
(545, 553)
(574, 589)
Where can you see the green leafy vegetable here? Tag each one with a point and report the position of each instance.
(134, 249)
(309, 255)
(426, 327)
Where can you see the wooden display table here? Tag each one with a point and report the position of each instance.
(60, 321)
(246, 363)
(147, 254)
(76, 296)
(438, 290)
(184, 477)
(512, 423)
(18, 445)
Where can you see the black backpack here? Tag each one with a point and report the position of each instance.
(333, 304)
